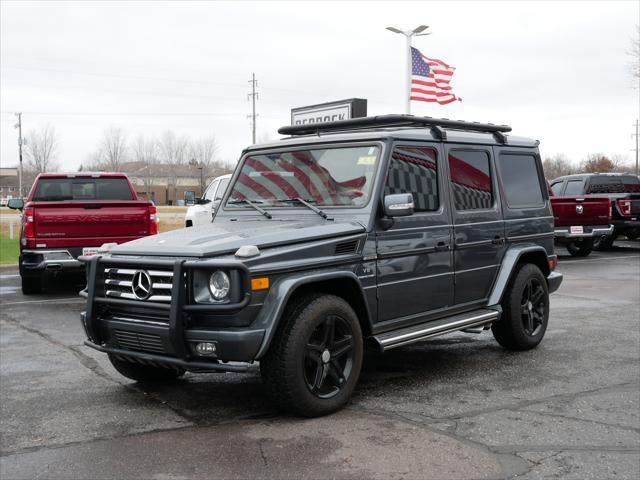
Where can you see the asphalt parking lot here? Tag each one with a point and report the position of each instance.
(454, 407)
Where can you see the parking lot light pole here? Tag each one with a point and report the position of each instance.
(408, 35)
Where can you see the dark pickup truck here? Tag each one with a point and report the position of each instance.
(67, 215)
(623, 192)
(578, 221)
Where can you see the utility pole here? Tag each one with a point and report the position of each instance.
(253, 95)
(19, 127)
(637, 135)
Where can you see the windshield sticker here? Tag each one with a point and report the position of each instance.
(367, 160)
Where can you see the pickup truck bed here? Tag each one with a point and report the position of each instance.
(68, 215)
(578, 220)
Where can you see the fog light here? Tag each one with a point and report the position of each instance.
(206, 348)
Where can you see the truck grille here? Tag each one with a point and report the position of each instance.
(118, 283)
(139, 341)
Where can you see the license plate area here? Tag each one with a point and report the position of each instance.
(89, 251)
(577, 230)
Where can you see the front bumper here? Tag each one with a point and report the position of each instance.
(588, 232)
(553, 281)
(162, 332)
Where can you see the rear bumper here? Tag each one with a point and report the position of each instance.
(554, 280)
(598, 231)
(53, 260)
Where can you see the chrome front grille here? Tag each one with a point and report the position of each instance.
(118, 283)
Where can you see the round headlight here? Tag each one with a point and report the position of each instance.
(219, 285)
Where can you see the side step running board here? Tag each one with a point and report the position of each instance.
(416, 333)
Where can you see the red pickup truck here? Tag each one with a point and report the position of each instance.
(67, 215)
(580, 220)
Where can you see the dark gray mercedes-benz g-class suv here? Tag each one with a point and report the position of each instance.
(381, 230)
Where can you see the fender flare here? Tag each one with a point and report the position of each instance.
(510, 260)
(279, 295)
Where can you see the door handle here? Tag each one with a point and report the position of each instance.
(441, 246)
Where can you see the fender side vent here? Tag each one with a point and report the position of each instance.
(346, 247)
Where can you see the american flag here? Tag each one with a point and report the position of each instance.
(430, 79)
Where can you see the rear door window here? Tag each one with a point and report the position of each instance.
(574, 187)
(520, 181)
(79, 189)
(471, 180)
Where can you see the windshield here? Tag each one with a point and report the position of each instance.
(330, 177)
(59, 189)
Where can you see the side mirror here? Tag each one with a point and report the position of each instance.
(16, 203)
(202, 201)
(398, 205)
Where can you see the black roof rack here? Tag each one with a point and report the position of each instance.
(437, 125)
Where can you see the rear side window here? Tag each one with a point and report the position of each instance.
(414, 170)
(614, 184)
(222, 188)
(557, 188)
(471, 180)
(60, 189)
(520, 181)
(574, 187)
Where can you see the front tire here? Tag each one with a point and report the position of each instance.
(144, 373)
(314, 362)
(525, 310)
(580, 248)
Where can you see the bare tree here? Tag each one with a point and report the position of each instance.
(41, 147)
(146, 152)
(597, 163)
(203, 155)
(113, 149)
(557, 166)
(173, 153)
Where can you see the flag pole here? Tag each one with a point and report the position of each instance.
(409, 69)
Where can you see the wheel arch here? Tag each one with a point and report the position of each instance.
(344, 284)
(515, 256)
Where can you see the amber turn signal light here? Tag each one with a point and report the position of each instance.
(260, 283)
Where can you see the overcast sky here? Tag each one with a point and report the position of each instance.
(554, 71)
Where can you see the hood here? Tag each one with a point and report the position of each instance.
(222, 238)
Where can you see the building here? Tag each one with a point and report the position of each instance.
(8, 184)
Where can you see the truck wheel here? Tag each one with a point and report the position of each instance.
(314, 361)
(31, 285)
(580, 248)
(525, 310)
(605, 242)
(144, 373)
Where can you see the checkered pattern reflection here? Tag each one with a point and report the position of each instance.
(414, 170)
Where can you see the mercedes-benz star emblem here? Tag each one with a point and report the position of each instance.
(141, 285)
(579, 209)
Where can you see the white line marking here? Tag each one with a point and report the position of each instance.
(595, 259)
(72, 299)
(9, 276)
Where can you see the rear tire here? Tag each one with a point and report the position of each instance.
(603, 243)
(31, 285)
(314, 361)
(580, 248)
(144, 373)
(525, 310)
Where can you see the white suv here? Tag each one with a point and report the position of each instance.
(202, 212)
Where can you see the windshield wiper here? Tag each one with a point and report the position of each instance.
(308, 205)
(252, 205)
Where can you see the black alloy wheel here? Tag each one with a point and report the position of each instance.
(315, 357)
(329, 357)
(533, 307)
(525, 310)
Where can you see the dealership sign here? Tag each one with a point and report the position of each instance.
(329, 112)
